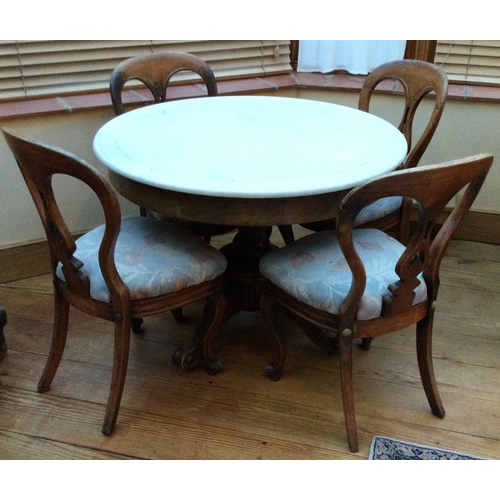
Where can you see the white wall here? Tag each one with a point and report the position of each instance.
(19, 220)
(465, 129)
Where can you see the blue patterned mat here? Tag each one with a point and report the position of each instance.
(383, 448)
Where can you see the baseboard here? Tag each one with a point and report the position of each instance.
(24, 261)
(481, 227)
(27, 261)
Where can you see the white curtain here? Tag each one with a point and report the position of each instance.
(357, 57)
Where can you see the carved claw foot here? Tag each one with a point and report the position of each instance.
(213, 366)
(187, 360)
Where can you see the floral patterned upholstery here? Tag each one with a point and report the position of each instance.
(152, 257)
(377, 210)
(314, 270)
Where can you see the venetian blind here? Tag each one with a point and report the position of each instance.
(471, 61)
(34, 68)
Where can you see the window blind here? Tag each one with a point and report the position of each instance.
(32, 68)
(470, 61)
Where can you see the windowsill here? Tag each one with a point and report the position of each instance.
(289, 81)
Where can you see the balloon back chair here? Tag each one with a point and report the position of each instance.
(416, 80)
(155, 72)
(126, 268)
(356, 283)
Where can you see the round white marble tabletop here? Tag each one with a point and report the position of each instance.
(249, 146)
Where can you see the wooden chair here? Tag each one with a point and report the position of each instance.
(362, 283)
(416, 79)
(155, 71)
(127, 268)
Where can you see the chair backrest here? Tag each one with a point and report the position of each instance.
(39, 164)
(431, 187)
(418, 78)
(155, 71)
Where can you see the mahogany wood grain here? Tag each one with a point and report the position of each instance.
(39, 163)
(431, 188)
(239, 413)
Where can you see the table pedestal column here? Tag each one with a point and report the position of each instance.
(242, 290)
(243, 279)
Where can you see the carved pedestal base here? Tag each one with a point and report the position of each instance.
(242, 292)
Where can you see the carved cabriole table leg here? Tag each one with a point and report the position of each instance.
(201, 352)
(3, 344)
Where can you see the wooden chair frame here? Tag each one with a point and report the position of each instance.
(432, 188)
(416, 79)
(39, 163)
(155, 71)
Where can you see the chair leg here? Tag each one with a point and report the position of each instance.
(346, 381)
(177, 314)
(270, 313)
(287, 234)
(424, 356)
(59, 335)
(404, 222)
(120, 362)
(366, 343)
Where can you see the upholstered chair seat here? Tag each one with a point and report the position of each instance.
(314, 270)
(152, 257)
(360, 283)
(121, 271)
(378, 210)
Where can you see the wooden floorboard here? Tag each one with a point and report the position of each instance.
(239, 413)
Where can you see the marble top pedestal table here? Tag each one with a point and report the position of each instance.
(250, 162)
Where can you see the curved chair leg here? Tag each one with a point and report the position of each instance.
(201, 351)
(404, 222)
(346, 381)
(136, 325)
(287, 234)
(59, 335)
(424, 356)
(270, 313)
(3, 322)
(177, 314)
(366, 343)
(120, 362)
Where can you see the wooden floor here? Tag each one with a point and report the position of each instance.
(239, 413)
